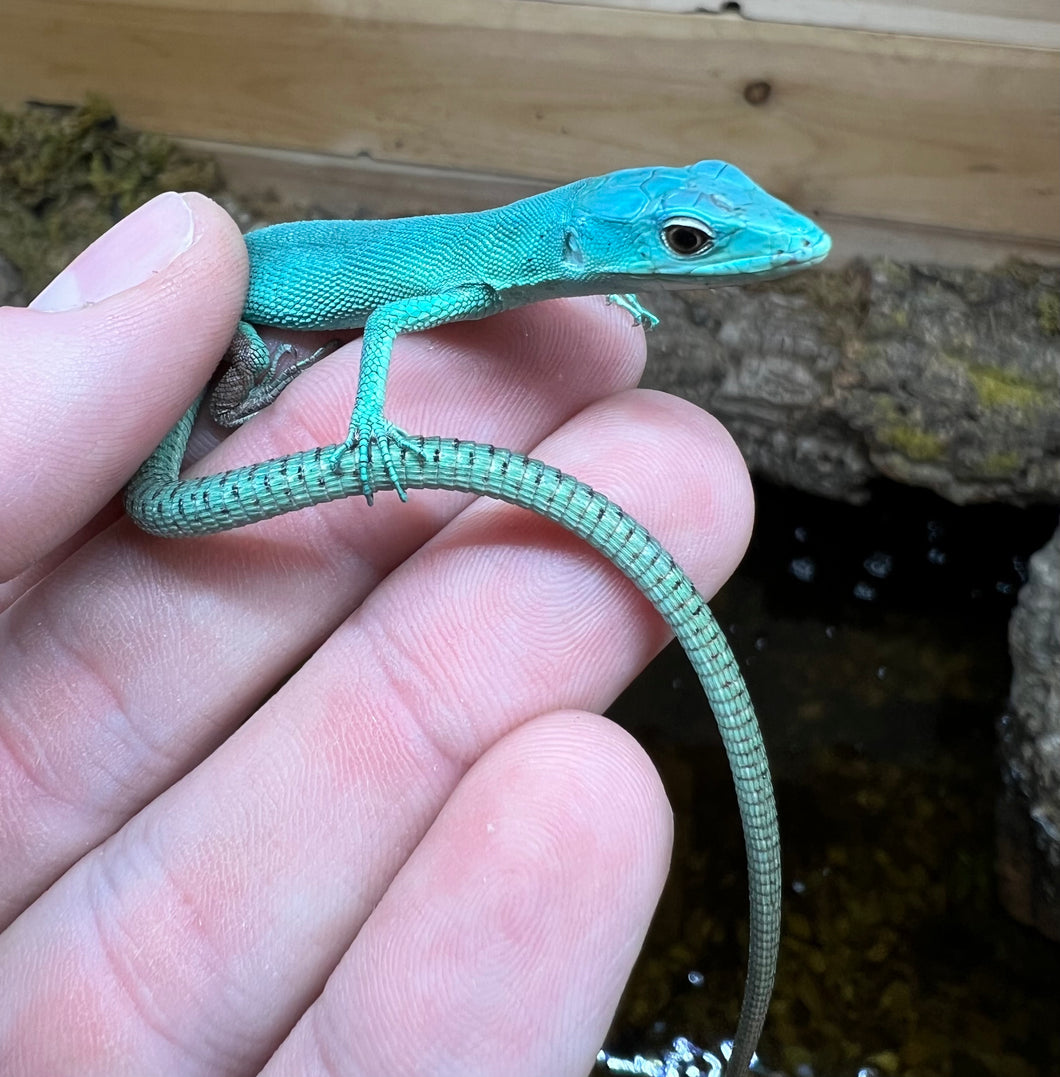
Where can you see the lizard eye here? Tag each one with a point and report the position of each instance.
(685, 237)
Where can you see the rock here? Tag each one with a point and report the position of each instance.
(1029, 810)
(936, 377)
(932, 376)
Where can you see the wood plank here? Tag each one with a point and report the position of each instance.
(341, 187)
(946, 134)
(1035, 23)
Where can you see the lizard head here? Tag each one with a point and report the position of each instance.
(696, 226)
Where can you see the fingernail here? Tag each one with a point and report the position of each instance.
(136, 248)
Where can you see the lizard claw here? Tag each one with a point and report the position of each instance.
(255, 377)
(632, 305)
(366, 438)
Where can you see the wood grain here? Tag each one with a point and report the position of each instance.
(1030, 22)
(874, 127)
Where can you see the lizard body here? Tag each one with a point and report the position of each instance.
(706, 224)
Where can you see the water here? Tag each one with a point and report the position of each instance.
(874, 644)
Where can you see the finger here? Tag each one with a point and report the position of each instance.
(139, 655)
(259, 868)
(80, 366)
(504, 943)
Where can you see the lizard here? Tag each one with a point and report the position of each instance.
(705, 224)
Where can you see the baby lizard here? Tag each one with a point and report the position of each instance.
(707, 224)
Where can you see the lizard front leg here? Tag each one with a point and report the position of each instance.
(370, 432)
(627, 301)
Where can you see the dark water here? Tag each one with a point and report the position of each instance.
(874, 644)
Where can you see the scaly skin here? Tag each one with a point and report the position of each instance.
(164, 504)
(707, 224)
(684, 227)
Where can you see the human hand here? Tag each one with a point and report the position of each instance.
(327, 794)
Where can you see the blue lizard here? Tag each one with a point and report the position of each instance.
(707, 224)
(685, 227)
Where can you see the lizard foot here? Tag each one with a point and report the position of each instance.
(255, 377)
(368, 437)
(630, 303)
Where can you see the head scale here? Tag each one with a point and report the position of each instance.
(704, 224)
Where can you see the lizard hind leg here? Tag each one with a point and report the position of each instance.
(253, 379)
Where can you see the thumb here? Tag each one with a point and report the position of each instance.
(102, 362)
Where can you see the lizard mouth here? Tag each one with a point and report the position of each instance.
(800, 251)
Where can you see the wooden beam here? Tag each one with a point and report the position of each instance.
(917, 131)
(360, 187)
(1030, 22)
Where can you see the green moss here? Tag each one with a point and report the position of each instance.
(67, 174)
(1000, 464)
(912, 442)
(997, 388)
(1049, 313)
